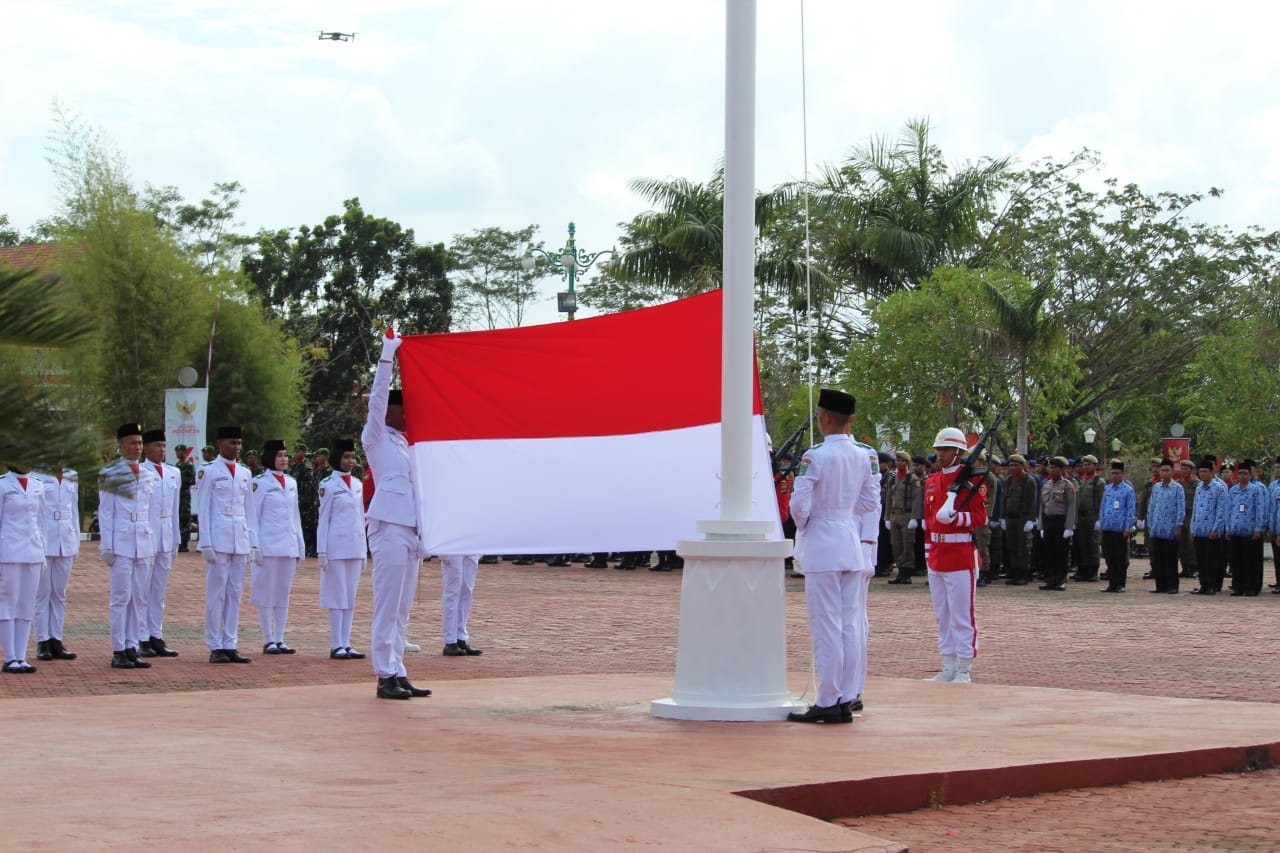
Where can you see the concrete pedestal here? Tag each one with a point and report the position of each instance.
(731, 660)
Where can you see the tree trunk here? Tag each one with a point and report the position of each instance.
(1022, 407)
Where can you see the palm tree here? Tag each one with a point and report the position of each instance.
(1023, 330)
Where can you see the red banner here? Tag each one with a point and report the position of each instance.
(1175, 450)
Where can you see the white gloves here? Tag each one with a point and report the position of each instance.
(947, 512)
(1097, 525)
(1028, 527)
(1041, 534)
(1141, 524)
(1004, 524)
(390, 343)
(913, 524)
(1066, 534)
(324, 562)
(888, 525)
(208, 555)
(255, 556)
(109, 557)
(993, 523)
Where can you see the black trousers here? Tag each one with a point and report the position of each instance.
(1054, 550)
(1246, 564)
(1115, 550)
(1210, 562)
(1164, 564)
(1015, 547)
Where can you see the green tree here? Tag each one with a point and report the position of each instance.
(9, 235)
(491, 288)
(1021, 331)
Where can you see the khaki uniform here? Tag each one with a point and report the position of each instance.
(1088, 507)
(904, 506)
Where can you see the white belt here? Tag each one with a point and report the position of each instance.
(58, 515)
(950, 537)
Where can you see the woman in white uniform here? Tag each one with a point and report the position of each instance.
(341, 546)
(275, 545)
(21, 558)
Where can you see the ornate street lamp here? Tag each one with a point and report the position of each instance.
(573, 263)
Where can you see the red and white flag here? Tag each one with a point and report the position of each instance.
(597, 435)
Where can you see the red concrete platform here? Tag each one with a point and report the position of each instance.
(567, 762)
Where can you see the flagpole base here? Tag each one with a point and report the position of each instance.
(731, 659)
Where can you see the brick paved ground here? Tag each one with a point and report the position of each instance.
(544, 621)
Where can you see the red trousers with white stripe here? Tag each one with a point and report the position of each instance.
(954, 595)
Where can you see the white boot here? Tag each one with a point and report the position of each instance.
(948, 669)
(962, 671)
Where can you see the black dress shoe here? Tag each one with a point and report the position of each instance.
(1237, 592)
(282, 649)
(488, 560)
(820, 714)
(1047, 586)
(138, 662)
(404, 684)
(596, 564)
(119, 660)
(158, 646)
(1107, 589)
(453, 651)
(235, 656)
(43, 651)
(352, 654)
(218, 656)
(26, 667)
(270, 649)
(1118, 589)
(389, 688)
(462, 644)
(144, 649)
(13, 667)
(900, 580)
(60, 651)
(340, 653)
(1173, 591)
(1147, 576)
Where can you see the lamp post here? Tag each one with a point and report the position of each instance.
(573, 262)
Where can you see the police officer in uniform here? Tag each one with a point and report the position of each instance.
(129, 523)
(187, 469)
(275, 546)
(22, 555)
(836, 482)
(393, 529)
(169, 495)
(1057, 523)
(61, 515)
(1021, 508)
(222, 502)
(340, 540)
(1088, 507)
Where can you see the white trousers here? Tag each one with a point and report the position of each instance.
(395, 579)
(129, 578)
(51, 598)
(837, 602)
(153, 620)
(954, 595)
(458, 574)
(223, 589)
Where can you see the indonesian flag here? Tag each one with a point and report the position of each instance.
(597, 435)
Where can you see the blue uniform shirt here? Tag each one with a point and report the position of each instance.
(1119, 502)
(1247, 509)
(1209, 512)
(1273, 513)
(1166, 510)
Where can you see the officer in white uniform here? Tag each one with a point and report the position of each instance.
(154, 448)
(869, 530)
(21, 558)
(222, 500)
(834, 484)
(341, 547)
(129, 523)
(276, 545)
(458, 574)
(393, 529)
(61, 545)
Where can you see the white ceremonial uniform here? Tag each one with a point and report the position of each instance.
(834, 484)
(61, 545)
(393, 530)
(341, 538)
(869, 530)
(166, 546)
(22, 549)
(275, 529)
(458, 576)
(129, 523)
(222, 499)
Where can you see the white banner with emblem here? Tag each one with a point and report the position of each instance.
(185, 415)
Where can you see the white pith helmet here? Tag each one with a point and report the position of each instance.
(951, 437)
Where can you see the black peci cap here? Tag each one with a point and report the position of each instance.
(225, 432)
(152, 435)
(836, 401)
(126, 430)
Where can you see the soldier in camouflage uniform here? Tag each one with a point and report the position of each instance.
(308, 498)
(187, 470)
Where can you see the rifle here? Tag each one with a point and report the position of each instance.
(969, 470)
(780, 452)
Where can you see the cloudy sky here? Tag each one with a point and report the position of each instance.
(449, 116)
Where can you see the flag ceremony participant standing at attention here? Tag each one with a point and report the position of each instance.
(61, 515)
(393, 529)
(458, 582)
(128, 521)
(222, 501)
(835, 483)
(276, 545)
(168, 494)
(341, 544)
(22, 548)
(952, 558)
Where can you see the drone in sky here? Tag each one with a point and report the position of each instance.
(337, 36)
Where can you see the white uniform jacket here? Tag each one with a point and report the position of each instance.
(340, 534)
(275, 522)
(835, 483)
(21, 526)
(387, 450)
(170, 490)
(222, 503)
(61, 514)
(129, 509)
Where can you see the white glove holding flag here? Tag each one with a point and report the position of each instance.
(947, 512)
(390, 343)
(255, 556)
